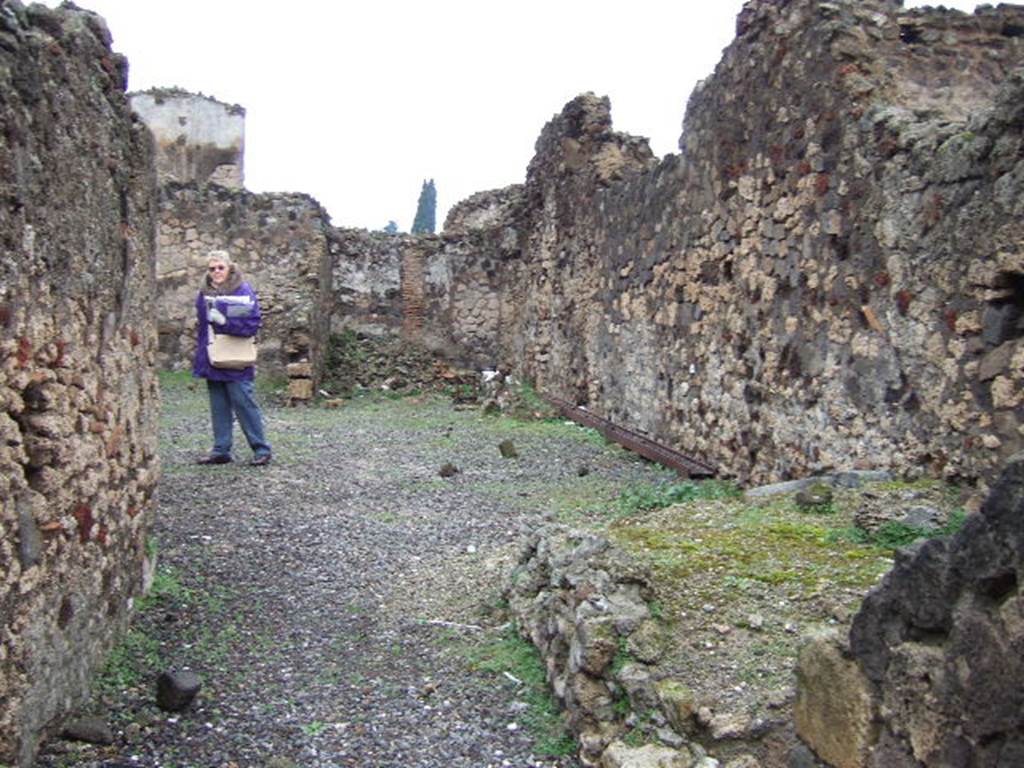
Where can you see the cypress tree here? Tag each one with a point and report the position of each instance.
(426, 210)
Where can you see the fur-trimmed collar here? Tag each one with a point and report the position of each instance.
(228, 287)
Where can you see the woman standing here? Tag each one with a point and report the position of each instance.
(228, 305)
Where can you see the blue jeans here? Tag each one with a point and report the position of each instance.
(235, 399)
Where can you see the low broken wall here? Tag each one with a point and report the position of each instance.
(587, 607)
(78, 393)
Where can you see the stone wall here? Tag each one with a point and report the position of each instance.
(929, 674)
(482, 245)
(445, 293)
(282, 243)
(586, 607)
(368, 278)
(78, 394)
(827, 276)
(198, 139)
(313, 279)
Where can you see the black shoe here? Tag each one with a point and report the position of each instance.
(260, 461)
(214, 458)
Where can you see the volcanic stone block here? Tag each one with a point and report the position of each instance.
(175, 690)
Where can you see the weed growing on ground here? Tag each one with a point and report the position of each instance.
(130, 660)
(315, 728)
(646, 497)
(166, 586)
(893, 535)
(531, 398)
(510, 654)
(138, 654)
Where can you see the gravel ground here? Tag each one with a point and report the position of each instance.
(331, 602)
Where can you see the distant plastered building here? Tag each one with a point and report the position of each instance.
(198, 138)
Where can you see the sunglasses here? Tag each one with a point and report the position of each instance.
(217, 269)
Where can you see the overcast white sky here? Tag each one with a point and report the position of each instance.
(358, 103)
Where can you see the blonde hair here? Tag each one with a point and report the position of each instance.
(222, 257)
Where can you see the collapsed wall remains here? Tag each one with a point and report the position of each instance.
(78, 393)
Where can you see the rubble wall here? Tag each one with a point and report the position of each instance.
(469, 279)
(78, 393)
(444, 293)
(282, 244)
(827, 276)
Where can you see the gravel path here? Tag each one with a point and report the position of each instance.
(332, 602)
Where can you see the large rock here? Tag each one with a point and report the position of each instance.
(618, 755)
(834, 710)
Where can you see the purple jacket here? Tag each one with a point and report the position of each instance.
(244, 319)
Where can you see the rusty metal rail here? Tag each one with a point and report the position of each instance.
(687, 466)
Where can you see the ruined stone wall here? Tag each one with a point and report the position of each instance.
(198, 139)
(368, 296)
(444, 293)
(482, 244)
(78, 394)
(312, 279)
(826, 277)
(282, 245)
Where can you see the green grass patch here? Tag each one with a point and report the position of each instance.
(532, 400)
(658, 496)
(893, 535)
(137, 656)
(737, 543)
(509, 653)
(553, 428)
(315, 728)
(166, 587)
(131, 662)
